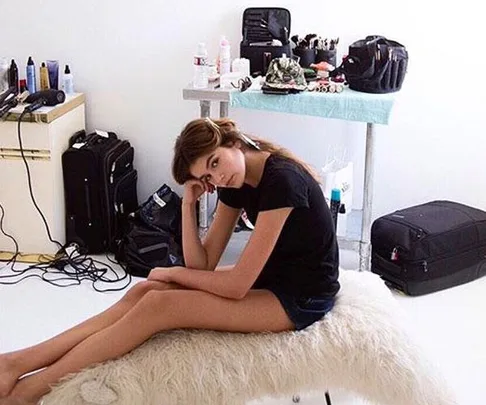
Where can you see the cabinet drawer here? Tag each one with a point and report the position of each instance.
(35, 135)
(21, 219)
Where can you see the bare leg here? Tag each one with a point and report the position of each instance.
(260, 310)
(14, 365)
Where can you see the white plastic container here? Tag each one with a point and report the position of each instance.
(224, 56)
(230, 80)
(200, 79)
(242, 66)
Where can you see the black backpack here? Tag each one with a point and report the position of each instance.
(162, 211)
(144, 248)
(154, 235)
(374, 65)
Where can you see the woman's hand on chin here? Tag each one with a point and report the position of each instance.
(193, 189)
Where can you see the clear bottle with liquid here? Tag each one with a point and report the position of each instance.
(200, 79)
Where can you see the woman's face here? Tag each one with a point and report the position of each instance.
(224, 167)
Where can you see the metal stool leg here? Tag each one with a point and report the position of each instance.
(296, 398)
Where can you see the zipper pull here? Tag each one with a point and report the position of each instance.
(394, 255)
(424, 265)
(112, 171)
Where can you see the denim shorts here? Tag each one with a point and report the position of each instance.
(303, 311)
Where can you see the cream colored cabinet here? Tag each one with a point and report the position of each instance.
(45, 135)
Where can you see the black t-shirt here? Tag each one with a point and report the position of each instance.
(305, 259)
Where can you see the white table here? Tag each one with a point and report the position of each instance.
(348, 105)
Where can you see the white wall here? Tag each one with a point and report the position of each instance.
(133, 58)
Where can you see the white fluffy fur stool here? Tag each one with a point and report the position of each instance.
(359, 346)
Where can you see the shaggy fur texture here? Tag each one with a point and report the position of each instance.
(359, 346)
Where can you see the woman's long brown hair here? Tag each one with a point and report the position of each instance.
(203, 135)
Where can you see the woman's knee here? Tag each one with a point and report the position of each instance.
(154, 301)
(139, 290)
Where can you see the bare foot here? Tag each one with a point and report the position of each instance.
(29, 390)
(8, 376)
(15, 401)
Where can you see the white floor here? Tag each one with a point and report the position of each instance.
(449, 324)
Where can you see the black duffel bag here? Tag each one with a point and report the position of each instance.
(429, 247)
(374, 65)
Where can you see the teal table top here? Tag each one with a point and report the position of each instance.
(348, 105)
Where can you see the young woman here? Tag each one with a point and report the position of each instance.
(285, 279)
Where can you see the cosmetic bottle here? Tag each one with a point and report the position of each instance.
(224, 56)
(31, 81)
(13, 75)
(200, 80)
(23, 85)
(334, 205)
(67, 81)
(44, 77)
(53, 69)
(342, 221)
(3, 74)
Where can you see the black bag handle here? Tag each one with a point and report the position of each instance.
(373, 40)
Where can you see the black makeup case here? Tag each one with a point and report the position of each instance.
(261, 27)
(374, 65)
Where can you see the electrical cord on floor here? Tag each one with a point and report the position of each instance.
(69, 267)
(29, 180)
(12, 260)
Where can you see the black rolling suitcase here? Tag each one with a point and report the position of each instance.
(429, 247)
(100, 186)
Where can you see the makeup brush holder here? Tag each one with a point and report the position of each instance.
(329, 56)
(306, 56)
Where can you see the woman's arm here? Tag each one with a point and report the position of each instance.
(195, 255)
(219, 233)
(237, 282)
(205, 255)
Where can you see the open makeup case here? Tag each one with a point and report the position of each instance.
(266, 33)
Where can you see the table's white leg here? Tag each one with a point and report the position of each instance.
(365, 247)
(205, 106)
(223, 109)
